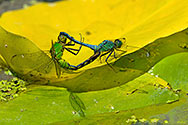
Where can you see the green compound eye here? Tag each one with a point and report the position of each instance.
(62, 38)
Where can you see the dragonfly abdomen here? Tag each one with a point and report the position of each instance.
(63, 63)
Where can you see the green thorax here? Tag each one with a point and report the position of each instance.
(58, 48)
(105, 46)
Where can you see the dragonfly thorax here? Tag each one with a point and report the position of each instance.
(106, 45)
(58, 53)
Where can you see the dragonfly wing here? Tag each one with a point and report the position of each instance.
(58, 69)
(77, 104)
(28, 60)
(32, 64)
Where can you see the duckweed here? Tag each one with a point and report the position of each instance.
(11, 89)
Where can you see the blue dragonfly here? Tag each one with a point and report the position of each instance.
(104, 48)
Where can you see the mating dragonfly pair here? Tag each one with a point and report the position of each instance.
(104, 48)
(39, 63)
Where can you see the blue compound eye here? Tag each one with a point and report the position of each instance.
(118, 43)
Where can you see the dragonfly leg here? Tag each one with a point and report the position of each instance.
(115, 55)
(70, 44)
(69, 49)
(121, 50)
(109, 55)
(107, 60)
(104, 55)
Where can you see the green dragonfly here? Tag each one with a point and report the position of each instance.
(39, 63)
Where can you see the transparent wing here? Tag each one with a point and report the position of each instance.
(58, 69)
(37, 66)
(32, 64)
(77, 104)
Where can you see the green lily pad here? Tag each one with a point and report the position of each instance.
(45, 104)
(174, 69)
(144, 115)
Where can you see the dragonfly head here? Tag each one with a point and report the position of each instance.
(62, 38)
(118, 42)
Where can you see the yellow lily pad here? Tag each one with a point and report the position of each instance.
(140, 22)
(106, 25)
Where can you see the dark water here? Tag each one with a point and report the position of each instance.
(6, 5)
